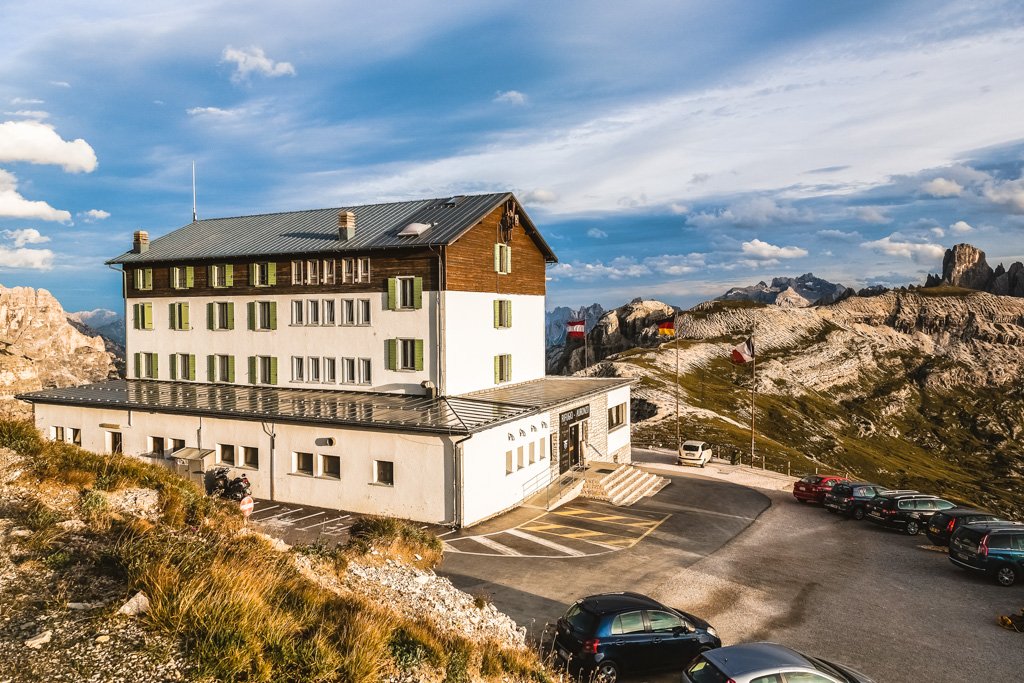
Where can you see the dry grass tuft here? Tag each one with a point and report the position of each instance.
(395, 538)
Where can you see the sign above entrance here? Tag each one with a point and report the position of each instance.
(574, 415)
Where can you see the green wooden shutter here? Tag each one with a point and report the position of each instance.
(497, 258)
(184, 316)
(192, 367)
(190, 276)
(417, 292)
(273, 369)
(211, 368)
(497, 369)
(273, 315)
(393, 293)
(138, 365)
(136, 320)
(171, 317)
(271, 273)
(252, 273)
(508, 313)
(509, 378)
(148, 275)
(209, 315)
(147, 315)
(231, 315)
(210, 282)
(419, 354)
(174, 367)
(252, 314)
(229, 275)
(497, 313)
(154, 366)
(391, 354)
(252, 370)
(231, 369)
(508, 259)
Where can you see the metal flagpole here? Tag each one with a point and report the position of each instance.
(753, 388)
(675, 327)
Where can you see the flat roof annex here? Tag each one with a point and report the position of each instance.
(549, 391)
(316, 231)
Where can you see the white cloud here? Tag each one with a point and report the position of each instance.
(938, 232)
(93, 215)
(212, 112)
(21, 101)
(29, 114)
(510, 97)
(839, 234)
(13, 205)
(920, 252)
(32, 259)
(942, 187)
(61, 84)
(961, 227)
(873, 215)
(675, 264)
(39, 143)
(763, 250)
(24, 236)
(1008, 193)
(539, 196)
(253, 60)
(625, 267)
(756, 212)
(597, 234)
(678, 209)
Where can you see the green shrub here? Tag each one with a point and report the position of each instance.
(58, 559)
(400, 537)
(20, 436)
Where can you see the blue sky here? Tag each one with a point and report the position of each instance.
(666, 149)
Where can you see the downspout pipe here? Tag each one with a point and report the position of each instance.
(457, 481)
(273, 438)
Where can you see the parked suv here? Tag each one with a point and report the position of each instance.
(942, 524)
(812, 488)
(604, 636)
(907, 512)
(850, 498)
(996, 548)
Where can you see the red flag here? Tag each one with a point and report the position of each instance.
(576, 329)
(744, 353)
(667, 328)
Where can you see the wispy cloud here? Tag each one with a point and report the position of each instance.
(597, 233)
(22, 101)
(1009, 194)
(756, 212)
(24, 236)
(624, 267)
(252, 60)
(37, 114)
(839, 234)
(60, 84)
(510, 97)
(873, 215)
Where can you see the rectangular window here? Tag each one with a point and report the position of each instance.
(406, 354)
(354, 270)
(220, 368)
(384, 472)
(363, 269)
(327, 272)
(157, 445)
(502, 259)
(144, 278)
(182, 277)
(533, 452)
(509, 467)
(348, 370)
(330, 466)
(265, 368)
(220, 315)
(265, 313)
(183, 366)
(303, 463)
(503, 368)
(313, 312)
(179, 316)
(76, 436)
(617, 416)
(298, 369)
(296, 272)
(403, 354)
(348, 312)
(221, 275)
(263, 274)
(313, 368)
(115, 442)
(297, 312)
(502, 313)
(251, 456)
(519, 458)
(311, 272)
(328, 311)
(363, 312)
(177, 445)
(57, 433)
(364, 371)
(142, 316)
(543, 449)
(146, 365)
(225, 454)
(406, 292)
(330, 370)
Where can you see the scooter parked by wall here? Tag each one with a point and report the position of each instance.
(219, 484)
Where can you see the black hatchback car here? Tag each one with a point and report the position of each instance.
(851, 498)
(604, 636)
(909, 512)
(942, 524)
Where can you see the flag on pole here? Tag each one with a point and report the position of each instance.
(667, 328)
(744, 353)
(576, 329)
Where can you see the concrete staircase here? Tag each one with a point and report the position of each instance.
(625, 486)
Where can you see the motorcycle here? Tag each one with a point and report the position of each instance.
(218, 484)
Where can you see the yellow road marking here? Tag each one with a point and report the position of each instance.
(610, 519)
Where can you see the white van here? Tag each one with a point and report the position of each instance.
(696, 453)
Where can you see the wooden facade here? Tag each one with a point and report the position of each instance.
(469, 261)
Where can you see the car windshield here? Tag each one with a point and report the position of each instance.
(828, 668)
(581, 620)
(812, 479)
(703, 671)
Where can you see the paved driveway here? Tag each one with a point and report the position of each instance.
(296, 524)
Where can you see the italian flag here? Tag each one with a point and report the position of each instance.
(744, 353)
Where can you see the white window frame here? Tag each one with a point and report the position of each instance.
(348, 370)
(181, 365)
(219, 273)
(406, 356)
(245, 450)
(330, 370)
(263, 315)
(614, 410)
(363, 309)
(323, 465)
(355, 270)
(348, 312)
(261, 274)
(298, 312)
(504, 258)
(406, 299)
(363, 269)
(220, 314)
(328, 314)
(147, 365)
(220, 365)
(263, 369)
(504, 368)
(313, 312)
(298, 368)
(377, 479)
(220, 454)
(296, 272)
(311, 272)
(295, 463)
(327, 272)
(179, 278)
(365, 368)
(504, 314)
(313, 369)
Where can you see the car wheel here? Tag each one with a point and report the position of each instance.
(607, 672)
(858, 513)
(913, 528)
(1006, 575)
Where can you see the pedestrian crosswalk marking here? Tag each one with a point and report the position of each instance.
(546, 543)
(494, 545)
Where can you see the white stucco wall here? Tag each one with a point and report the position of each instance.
(488, 489)
(619, 438)
(337, 341)
(421, 466)
(471, 340)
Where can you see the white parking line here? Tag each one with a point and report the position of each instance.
(265, 509)
(301, 519)
(494, 545)
(545, 542)
(335, 532)
(280, 514)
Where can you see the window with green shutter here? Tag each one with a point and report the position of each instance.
(172, 365)
(138, 365)
(143, 278)
(391, 354)
(273, 370)
(253, 377)
(211, 368)
(418, 353)
(502, 368)
(182, 277)
(502, 259)
(147, 316)
(262, 274)
(192, 367)
(178, 315)
(231, 369)
(502, 313)
(393, 293)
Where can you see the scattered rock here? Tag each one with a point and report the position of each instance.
(138, 502)
(20, 533)
(81, 606)
(139, 604)
(102, 639)
(40, 639)
(71, 525)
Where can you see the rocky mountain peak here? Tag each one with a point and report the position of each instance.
(807, 287)
(964, 265)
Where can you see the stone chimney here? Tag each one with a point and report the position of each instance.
(346, 225)
(140, 242)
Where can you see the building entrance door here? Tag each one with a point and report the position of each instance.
(572, 427)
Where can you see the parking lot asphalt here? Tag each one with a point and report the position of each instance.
(299, 524)
(760, 566)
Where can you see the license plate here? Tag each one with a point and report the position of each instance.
(933, 529)
(564, 654)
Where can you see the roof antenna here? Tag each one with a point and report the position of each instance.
(194, 215)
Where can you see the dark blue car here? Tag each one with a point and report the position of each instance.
(996, 548)
(605, 636)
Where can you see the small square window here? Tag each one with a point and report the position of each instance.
(304, 463)
(177, 445)
(156, 445)
(330, 466)
(226, 454)
(384, 472)
(251, 456)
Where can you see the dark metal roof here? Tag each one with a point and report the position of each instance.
(549, 391)
(316, 231)
(394, 412)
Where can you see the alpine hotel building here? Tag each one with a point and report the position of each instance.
(381, 359)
